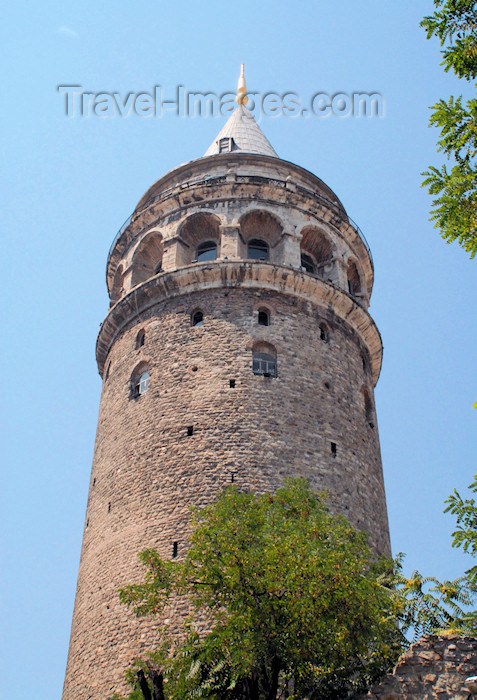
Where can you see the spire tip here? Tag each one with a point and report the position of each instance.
(241, 88)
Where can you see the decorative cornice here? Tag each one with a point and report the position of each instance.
(248, 275)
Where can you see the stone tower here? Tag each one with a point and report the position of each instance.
(238, 348)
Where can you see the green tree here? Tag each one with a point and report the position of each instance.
(465, 534)
(425, 605)
(293, 598)
(455, 187)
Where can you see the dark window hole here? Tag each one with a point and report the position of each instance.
(333, 449)
(174, 549)
(190, 430)
(232, 383)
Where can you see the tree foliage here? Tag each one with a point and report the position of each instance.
(295, 603)
(465, 534)
(455, 187)
(425, 605)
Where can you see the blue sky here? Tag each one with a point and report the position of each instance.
(68, 184)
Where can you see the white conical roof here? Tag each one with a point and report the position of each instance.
(246, 134)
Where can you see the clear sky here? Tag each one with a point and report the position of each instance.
(69, 183)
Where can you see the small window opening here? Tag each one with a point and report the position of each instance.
(109, 507)
(308, 263)
(226, 145)
(158, 268)
(232, 383)
(258, 249)
(264, 364)
(140, 339)
(142, 385)
(263, 317)
(190, 430)
(333, 449)
(198, 318)
(87, 524)
(365, 365)
(106, 376)
(94, 481)
(232, 477)
(368, 408)
(324, 334)
(207, 251)
(175, 547)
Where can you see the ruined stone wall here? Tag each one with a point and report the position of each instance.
(434, 668)
(148, 471)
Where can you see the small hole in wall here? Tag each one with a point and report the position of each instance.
(87, 524)
(232, 477)
(194, 368)
(174, 549)
(190, 430)
(94, 481)
(333, 449)
(109, 507)
(327, 385)
(232, 384)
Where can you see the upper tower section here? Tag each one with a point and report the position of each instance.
(240, 204)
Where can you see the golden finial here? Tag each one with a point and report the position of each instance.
(241, 88)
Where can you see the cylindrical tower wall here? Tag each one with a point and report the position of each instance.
(148, 470)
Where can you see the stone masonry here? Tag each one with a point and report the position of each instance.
(208, 418)
(434, 668)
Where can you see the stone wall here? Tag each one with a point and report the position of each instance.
(434, 667)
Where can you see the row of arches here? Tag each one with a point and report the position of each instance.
(258, 237)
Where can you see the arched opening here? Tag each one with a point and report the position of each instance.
(354, 282)
(147, 258)
(263, 317)
(206, 251)
(140, 339)
(264, 360)
(118, 282)
(324, 332)
(368, 409)
(197, 318)
(261, 232)
(258, 249)
(200, 239)
(140, 380)
(316, 250)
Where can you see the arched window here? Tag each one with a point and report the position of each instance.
(147, 258)
(264, 360)
(258, 249)
(324, 332)
(368, 408)
(206, 251)
(263, 317)
(354, 283)
(197, 318)
(140, 339)
(308, 263)
(142, 384)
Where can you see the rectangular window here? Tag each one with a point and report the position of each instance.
(267, 368)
